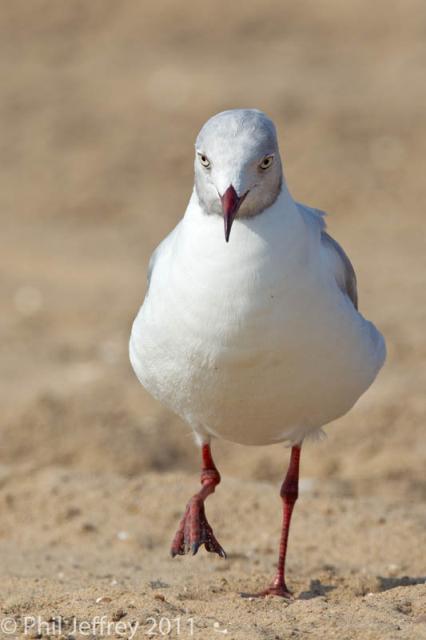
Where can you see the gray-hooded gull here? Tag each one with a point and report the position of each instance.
(252, 336)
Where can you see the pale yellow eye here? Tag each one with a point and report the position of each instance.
(266, 162)
(204, 160)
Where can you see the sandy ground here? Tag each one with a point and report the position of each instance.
(100, 104)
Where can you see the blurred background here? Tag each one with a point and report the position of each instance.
(100, 105)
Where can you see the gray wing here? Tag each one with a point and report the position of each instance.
(162, 247)
(337, 258)
(342, 267)
(151, 266)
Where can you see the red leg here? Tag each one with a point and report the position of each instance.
(194, 529)
(289, 493)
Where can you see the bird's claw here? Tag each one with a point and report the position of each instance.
(272, 590)
(195, 531)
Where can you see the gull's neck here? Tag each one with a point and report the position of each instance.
(281, 220)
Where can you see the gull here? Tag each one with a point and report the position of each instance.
(255, 336)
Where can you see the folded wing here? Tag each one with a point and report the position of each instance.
(337, 259)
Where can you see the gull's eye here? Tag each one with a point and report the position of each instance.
(204, 160)
(266, 162)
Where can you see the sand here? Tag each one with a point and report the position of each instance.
(100, 103)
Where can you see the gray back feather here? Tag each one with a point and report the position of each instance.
(343, 269)
(348, 283)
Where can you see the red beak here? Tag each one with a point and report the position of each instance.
(231, 202)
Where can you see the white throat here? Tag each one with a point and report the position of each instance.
(278, 228)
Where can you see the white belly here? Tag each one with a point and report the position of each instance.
(253, 355)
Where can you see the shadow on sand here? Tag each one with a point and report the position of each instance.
(405, 581)
(316, 589)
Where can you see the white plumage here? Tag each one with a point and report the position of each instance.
(257, 340)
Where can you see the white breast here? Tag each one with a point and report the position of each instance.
(252, 340)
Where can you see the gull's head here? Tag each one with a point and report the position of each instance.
(237, 165)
